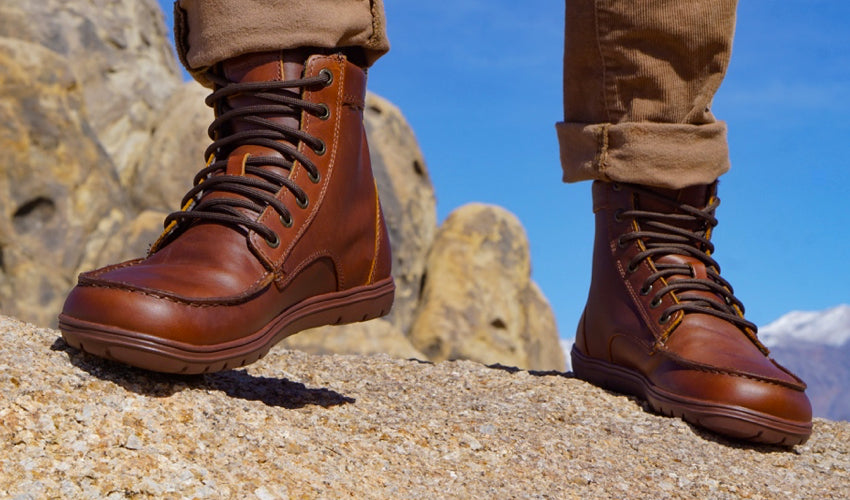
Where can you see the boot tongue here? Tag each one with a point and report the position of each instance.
(669, 200)
(262, 67)
(265, 66)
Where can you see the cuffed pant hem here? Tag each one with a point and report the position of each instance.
(210, 31)
(663, 155)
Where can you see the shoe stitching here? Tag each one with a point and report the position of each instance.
(253, 291)
(686, 363)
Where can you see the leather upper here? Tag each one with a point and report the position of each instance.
(692, 354)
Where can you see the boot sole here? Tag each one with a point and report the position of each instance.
(168, 356)
(732, 421)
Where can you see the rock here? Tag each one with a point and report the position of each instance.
(371, 337)
(160, 179)
(299, 425)
(120, 55)
(540, 335)
(407, 198)
(56, 182)
(475, 302)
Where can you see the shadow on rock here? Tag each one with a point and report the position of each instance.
(536, 373)
(238, 384)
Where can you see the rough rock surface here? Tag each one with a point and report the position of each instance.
(160, 179)
(116, 49)
(56, 182)
(478, 301)
(302, 426)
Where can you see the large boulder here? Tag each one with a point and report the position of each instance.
(120, 55)
(56, 182)
(478, 301)
(160, 179)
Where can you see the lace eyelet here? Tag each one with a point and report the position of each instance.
(621, 243)
(326, 112)
(618, 215)
(615, 186)
(302, 203)
(314, 178)
(664, 319)
(655, 303)
(630, 269)
(273, 243)
(287, 222)
(328, 76)
(321, 149)
(645, 290)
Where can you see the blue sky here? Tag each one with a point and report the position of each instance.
(480, 83)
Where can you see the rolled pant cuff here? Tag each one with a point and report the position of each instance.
(664, 155)
(207, 32)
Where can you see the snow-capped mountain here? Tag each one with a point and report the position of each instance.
(567, 346)
(829, 327)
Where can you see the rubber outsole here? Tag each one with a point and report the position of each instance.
(168, 356)
(731, 421)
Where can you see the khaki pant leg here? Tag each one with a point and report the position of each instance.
(639, 78)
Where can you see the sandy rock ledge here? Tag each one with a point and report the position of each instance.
(298, 425)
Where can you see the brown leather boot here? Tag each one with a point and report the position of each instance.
(661, 324)
(282, 231)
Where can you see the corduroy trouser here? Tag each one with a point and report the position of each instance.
(639, 75)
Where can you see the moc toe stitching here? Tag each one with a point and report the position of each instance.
(694, 365)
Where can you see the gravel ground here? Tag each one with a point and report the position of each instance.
(301, 426)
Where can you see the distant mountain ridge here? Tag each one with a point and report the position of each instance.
(828, 327)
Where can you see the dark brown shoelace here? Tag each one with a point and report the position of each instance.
(685, 232)
(256, 189)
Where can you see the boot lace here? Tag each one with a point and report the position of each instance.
(668, 234)
(258, 187)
